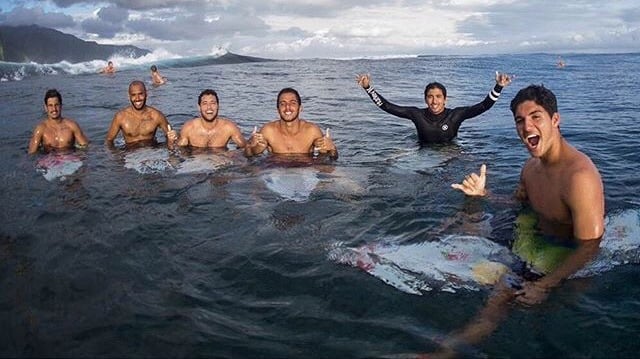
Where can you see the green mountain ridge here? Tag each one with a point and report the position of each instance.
(34, 43)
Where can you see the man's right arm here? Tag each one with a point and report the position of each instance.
(113, 129)
(36, 140)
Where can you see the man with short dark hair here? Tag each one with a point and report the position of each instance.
(56, 132)
(290, 134)
(210, 130)
(436, 123)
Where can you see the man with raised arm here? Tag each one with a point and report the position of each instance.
(564, 189)
(139, 122)
(290, 134)
(56, 132)
(210, 130)
(436, 123)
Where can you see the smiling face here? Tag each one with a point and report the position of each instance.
(137, 95)
(536, 128)
(53, 108)
(209, 107)
(435, 100)
(289, 107)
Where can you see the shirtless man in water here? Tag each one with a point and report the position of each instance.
(210, 130)
(139, 122)
(290, 134)
(56, 132)
(562, 186)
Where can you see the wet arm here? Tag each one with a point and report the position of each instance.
(80, 138)
(36, 140)
(238, 138)
(113, 130)
(485, 105)
(408, 112)
(585, 199)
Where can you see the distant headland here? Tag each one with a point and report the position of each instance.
(43, 45)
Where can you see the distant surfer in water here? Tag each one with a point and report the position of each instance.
(436, 123)
(290, 134)
(56, 132)
(139, 122)
(210, 130)
(156, 78)
(109, 69)
(564, 189)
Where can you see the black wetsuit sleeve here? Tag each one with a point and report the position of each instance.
(486, 104)
(408, 112)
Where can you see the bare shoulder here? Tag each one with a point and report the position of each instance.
(155, 112)
(311, 127)
(227, 123)
(70, 122)
(582, 170)
(269, 127)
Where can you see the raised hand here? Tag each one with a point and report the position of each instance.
(172, 135)
(473, 184)
(324, 144)
(364, 80)
(504, 79)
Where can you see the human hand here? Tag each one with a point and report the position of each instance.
(532, 293)
(172, 135)
(324, 144)
(257, 138)
(473, 184)
(364, 80)
(503, 79)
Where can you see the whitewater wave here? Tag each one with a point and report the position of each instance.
(12, 71)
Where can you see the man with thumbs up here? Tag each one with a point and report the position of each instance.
(210, 130)
(290, 134)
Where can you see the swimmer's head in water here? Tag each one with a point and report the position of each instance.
(52, 93)
(435, 85)
(208, 104)
(288, 90)
(289, 105)
(138, 94)
(154, 68)
(208, 92)
(539, 94)
(435, 95)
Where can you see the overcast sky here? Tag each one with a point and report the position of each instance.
(342, 28)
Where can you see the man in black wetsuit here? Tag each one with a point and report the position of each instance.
(436, 123)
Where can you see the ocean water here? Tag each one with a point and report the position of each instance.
(217, 256)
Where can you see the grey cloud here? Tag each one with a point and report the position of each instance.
(196, 27)
(132, 4)
(113, 14)
(36, 16)
(101, 28)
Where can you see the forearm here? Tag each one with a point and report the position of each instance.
(586, 251)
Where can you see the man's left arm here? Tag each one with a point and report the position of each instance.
(585, 199)
(170, 134)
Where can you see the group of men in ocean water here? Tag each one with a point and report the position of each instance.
(560, 183)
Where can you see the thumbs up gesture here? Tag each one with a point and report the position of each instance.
(256, 138)
(324, 144)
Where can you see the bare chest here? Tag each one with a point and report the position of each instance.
(546, 196)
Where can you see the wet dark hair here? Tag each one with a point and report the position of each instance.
(154, 68)
(208, 92)
(288, 90)
(539, 94)
(52, 93)
(435, 85)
